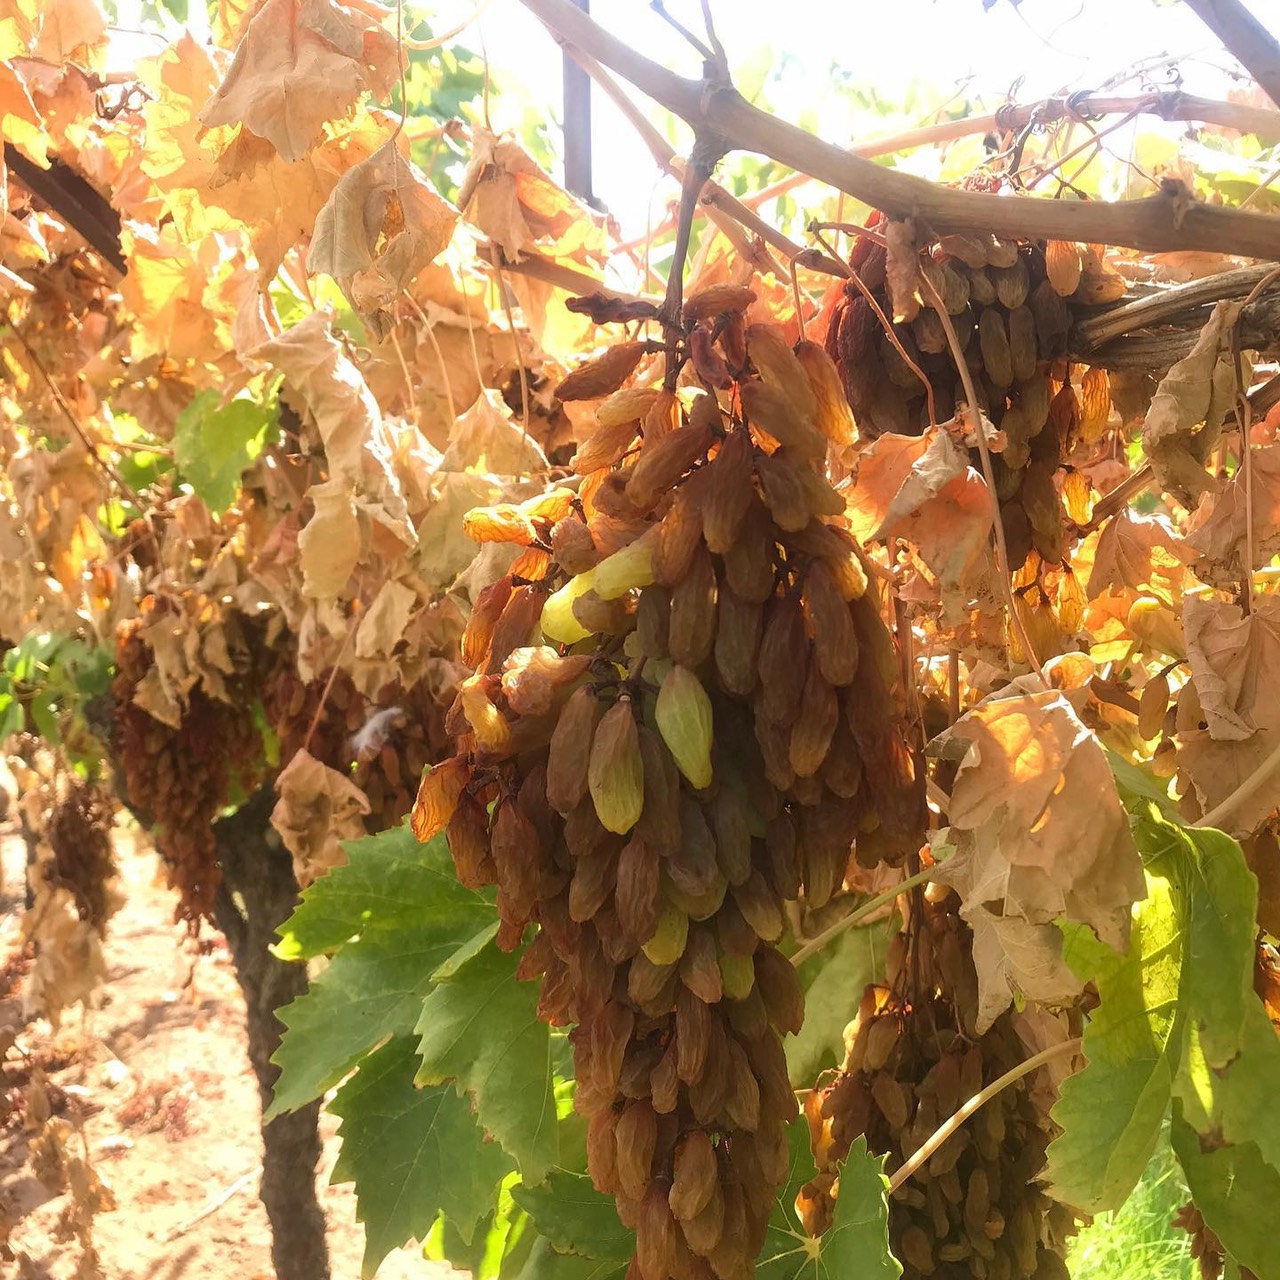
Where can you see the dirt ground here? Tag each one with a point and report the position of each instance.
(159, 1078)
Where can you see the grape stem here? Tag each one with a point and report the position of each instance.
(868, 908)
(950, 1125)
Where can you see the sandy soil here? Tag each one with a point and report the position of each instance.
(160, 1080)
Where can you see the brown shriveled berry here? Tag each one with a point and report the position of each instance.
(814, 726)
(664, 1083)
(742, 1097)
(602, 1152)
(679, 536)
(772, 355)
(760, 906)
(637, 897)
(485, 612)
(593, 880)
(833, 416)
(659, 824)
(737, 643)
(699, 969)
(786, 491)
(468, 836)
(781, 844)
(693, 611)
(784, 650)
(732, 835)
(716, 299)
(570, 754)
(730, 488)
(573, 547)
(693, 1034)
(695, 1175)
(749, 563)
(835, 643)
(692, 864)
(993, 340)
(604, 446)
(780, 989)
(438, 797)
(780, 421)
(662, 462)
(604, 374)
(637, 1134)
(1022, 343)
(655, 1235)
(708, 363)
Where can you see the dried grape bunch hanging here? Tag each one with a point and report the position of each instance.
(79, 834)
(973, 1209)
(180, 778)
(384, 743)
(683, 714)
(1010, 304)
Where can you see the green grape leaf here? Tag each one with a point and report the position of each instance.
(1236, 1191)
(411, 1153)
(481, 1028)
(213, 444)
(1111, 1112)
(545, 1263)
(575, 1217)
(833, 980)
(393, 914)
(1177, 1017)
(856, 1243)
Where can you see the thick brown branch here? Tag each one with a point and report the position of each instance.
(1171, 220)
(1246, 39)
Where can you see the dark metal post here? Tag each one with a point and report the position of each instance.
(577, 124)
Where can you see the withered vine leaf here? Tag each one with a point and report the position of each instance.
(1040, 835)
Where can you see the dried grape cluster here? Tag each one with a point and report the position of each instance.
(383, 743)
(79, 834)
(180, 778)
(683, 714)
(973, 1209)
(1010, 305)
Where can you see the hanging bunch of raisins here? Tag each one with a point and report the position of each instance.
(179, 779)
(685, 711)
(79, 835)
(973, 1209)
(381, 743)
(1010, 304)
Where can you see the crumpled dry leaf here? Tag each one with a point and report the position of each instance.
(516, 203)
(1220, 525)
(1235, 663)
(923, 489)
(70, 31)
(1184, 420)
(70, 964)
(299, 64)
(1040, 834)
(385, 620)
(381, 225)
(487, 439)
(902, 269)
(19, 122)
(1142, 554)
(318, 808)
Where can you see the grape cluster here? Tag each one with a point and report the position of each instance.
(684, 712)
(1010, 304)
(79, 834)
(179, 779)
(973, 1209)
(383, 743)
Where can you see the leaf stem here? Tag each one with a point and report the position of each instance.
(868, 908)
(950, 1125)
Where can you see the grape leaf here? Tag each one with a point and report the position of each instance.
(546, 1263)
(213, 444)
(481, 1028)
(1111, 1112)
(856, 1243)
(411, 1153)
(1236, 1191)
(575, 1217)
(833, 981)
(394, 914)
(1171, 1019)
